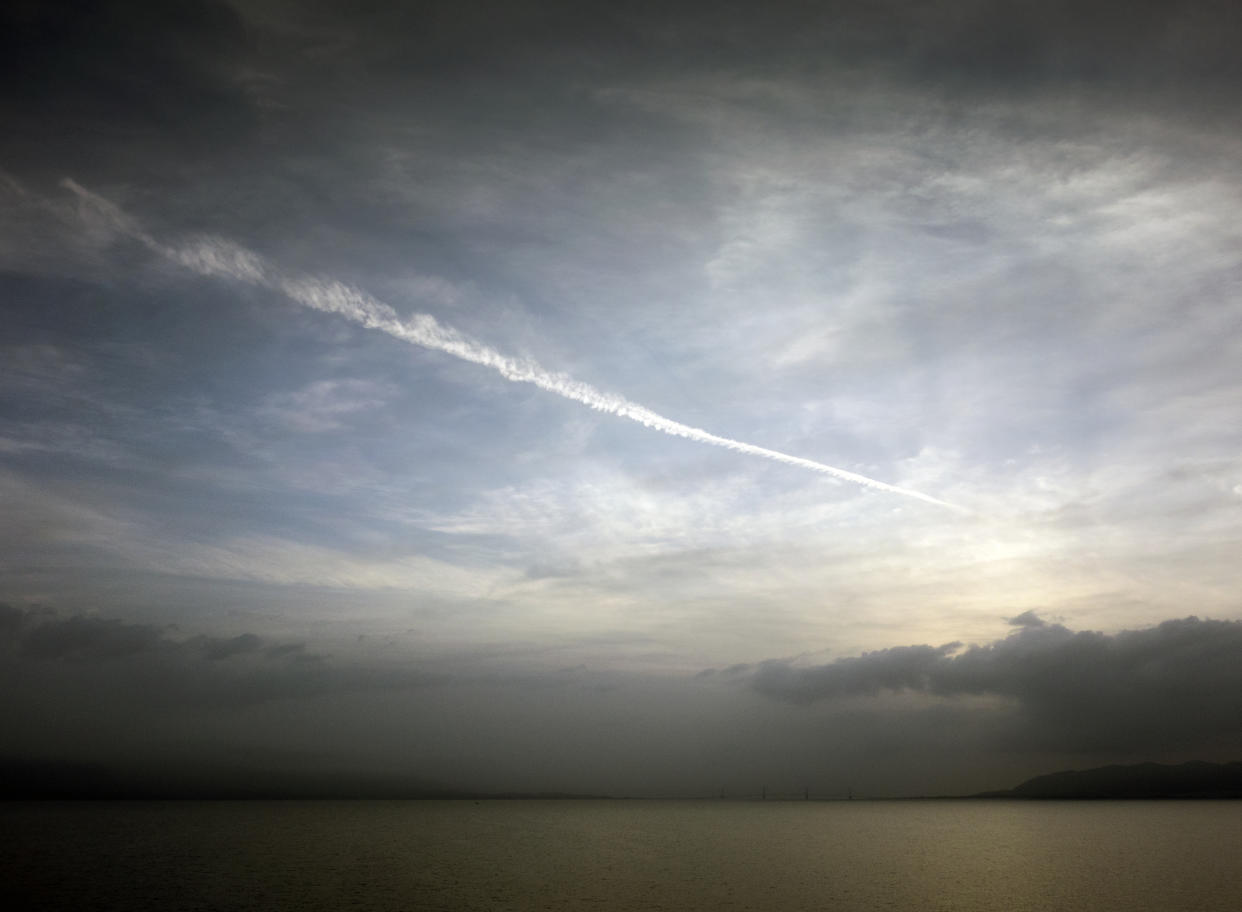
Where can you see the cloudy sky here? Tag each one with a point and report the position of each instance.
(642, 397)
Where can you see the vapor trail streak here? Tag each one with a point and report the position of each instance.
(212, 256)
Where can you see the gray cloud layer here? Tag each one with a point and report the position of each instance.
(90, 689)
(144, 664)
(1176, 684)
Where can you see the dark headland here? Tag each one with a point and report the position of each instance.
(1142, 780)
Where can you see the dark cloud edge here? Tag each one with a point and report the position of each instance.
(1175, 685)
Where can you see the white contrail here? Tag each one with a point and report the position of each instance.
(212, 256)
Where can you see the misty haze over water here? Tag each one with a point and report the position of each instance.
(624, 855)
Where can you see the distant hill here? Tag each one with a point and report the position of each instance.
(1142, 780)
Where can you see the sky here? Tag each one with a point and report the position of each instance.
(635, 398)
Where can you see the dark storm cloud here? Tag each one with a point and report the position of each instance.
(1178, 684)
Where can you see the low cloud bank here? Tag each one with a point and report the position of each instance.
(1178, 684)
(917, 719)
(40, 633)
(147, 665)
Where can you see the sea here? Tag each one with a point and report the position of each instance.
(605, 855)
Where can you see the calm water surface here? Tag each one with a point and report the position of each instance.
(623, 855)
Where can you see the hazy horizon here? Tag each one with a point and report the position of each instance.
(635, 399)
